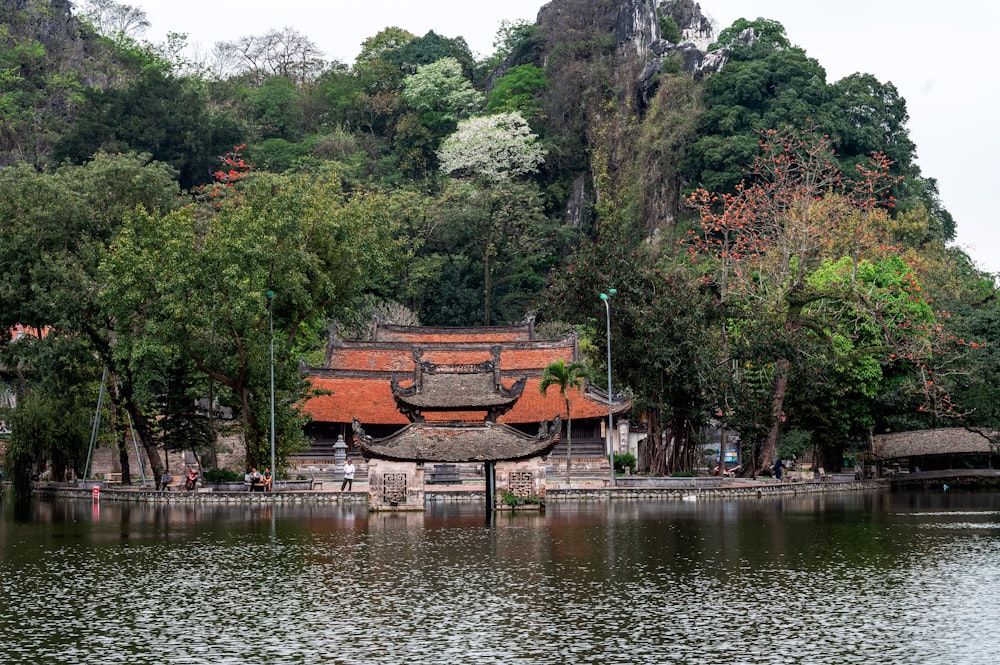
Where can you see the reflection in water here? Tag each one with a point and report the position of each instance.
(846, 578)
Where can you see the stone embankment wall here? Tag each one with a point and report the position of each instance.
(206, 497)
(692, 490)
(474, 495)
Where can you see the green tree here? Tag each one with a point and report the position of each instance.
(777, 89)
(197, 282)
(518, 90)
(59, 227)
(441, 87)
(770, 239)
(566, 376)
(748, 40)
(429, 49)
(498, 230)
(55, 397)
(278, 109)
(159, 114)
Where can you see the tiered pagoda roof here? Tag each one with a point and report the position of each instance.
(456, 388)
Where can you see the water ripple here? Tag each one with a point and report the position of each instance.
(858, 579)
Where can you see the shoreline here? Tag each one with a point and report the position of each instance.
(689, 490)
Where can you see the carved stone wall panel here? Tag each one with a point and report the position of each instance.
(523, 477)
(395, 485)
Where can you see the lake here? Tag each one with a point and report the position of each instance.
(848, 577)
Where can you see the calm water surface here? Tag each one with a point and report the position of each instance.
(847, 578)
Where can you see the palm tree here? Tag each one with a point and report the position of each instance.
(566, 376)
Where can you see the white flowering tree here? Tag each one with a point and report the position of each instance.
(494, 147)
(493, 218)
(440, 87)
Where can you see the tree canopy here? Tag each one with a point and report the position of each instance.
(774, 244)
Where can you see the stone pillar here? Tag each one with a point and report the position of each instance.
(339, 457)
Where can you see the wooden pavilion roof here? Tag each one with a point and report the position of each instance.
(459, 442)
(934, 442)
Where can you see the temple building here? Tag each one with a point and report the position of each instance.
(412, 389)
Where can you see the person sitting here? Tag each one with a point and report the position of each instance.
(192, 479)
(165, 481)
(267, 480)
(256, 481)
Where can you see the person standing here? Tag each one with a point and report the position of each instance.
(779, 464)
(348, 476)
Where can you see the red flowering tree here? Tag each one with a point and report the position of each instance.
(792, 214)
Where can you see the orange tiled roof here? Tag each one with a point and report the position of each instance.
(426, 334)
(357, 375)
(398, 357)
(369, 399)
(19, 331)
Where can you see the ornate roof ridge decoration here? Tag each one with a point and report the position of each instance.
(525, 329)
(459, 442)
(601, 394)
(337, 344)
(457, 387)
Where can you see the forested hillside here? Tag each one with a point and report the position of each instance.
(781, 263)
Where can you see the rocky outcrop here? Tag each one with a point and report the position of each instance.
(690, 53)
(50, 22)
(637, 25)
(695, 26)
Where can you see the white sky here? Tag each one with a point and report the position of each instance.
(940, 56)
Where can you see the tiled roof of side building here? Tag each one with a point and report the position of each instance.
(357, 375)
(429, 334)
(375, 356)
(369, 399)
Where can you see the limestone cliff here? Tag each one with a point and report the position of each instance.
(635, 26)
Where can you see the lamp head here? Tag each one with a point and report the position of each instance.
(604, 296)
(269, 294)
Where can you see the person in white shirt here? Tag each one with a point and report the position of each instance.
(348, 476)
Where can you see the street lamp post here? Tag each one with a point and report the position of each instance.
(270, 320)
(606, 297)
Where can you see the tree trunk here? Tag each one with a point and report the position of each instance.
(766, 454)
(486, 288)
(569, 443)
(645, 462)
(680, 444)
(723, 444)
(145, 434)
(252, 436)
(656, 452)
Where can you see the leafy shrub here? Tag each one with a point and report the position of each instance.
(222, 476)
(623, 460)
(511, 499)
